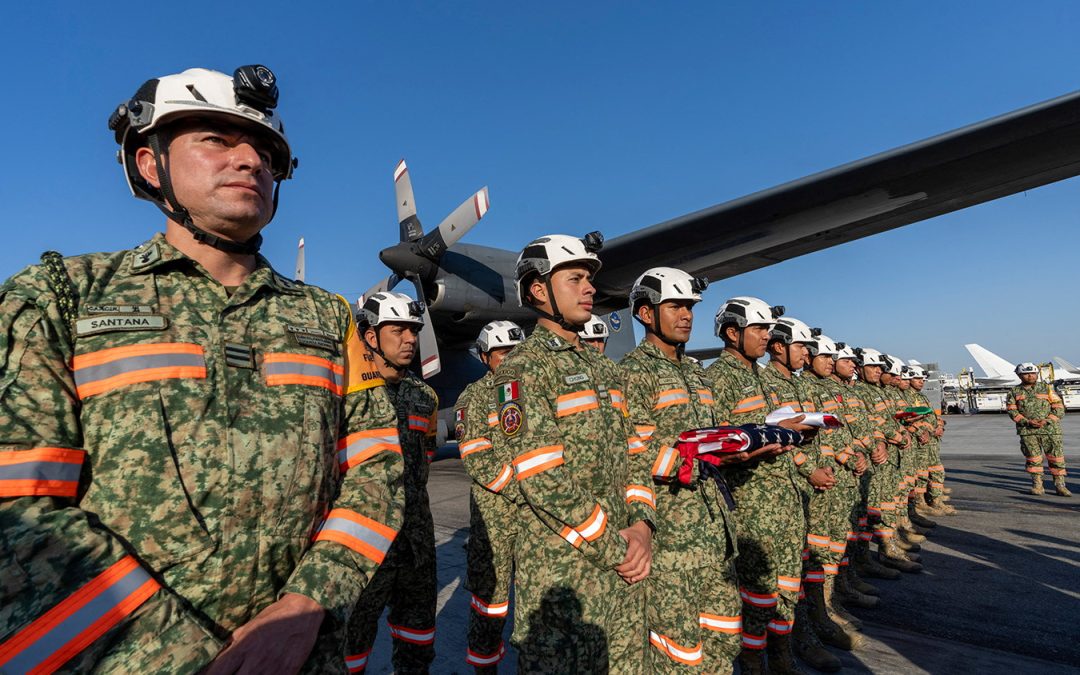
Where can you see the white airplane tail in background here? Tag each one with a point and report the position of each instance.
(1065, 365)
(993, 365)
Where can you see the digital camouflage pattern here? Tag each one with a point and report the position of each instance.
(406, 582)
(692, 598)
(563, 419)
(791, 391)
(1038, 402)
(493, 511)
(935, 480)
(188, 455)
(857, 415)
(881, 501)
(769, 518)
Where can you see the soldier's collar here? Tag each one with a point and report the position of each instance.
(550, 340)
(652, 350)
(156, 252)
(735, 362)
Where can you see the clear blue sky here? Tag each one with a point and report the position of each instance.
(582, 116)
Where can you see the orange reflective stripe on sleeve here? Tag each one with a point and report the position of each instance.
(666, 462)
(634, 445)
(640, 493)
(101, 371)
(670, 397)
(468, 447)
(70, 626)
(357, 448)
(618, 401)
(576, 402)
(749, 405)
(644, 431)
(705, 396)
(311, 371)
(690, 656)
(367, 537)
(541, 459)
(419, 423)
(501, 480)
(732, 625)
(493, 419)
(40, 472)
(594, 525)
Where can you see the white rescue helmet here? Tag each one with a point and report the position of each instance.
(895, 365)
(663, 284)
(843, 351)
(789, 331)
(823, 345)
(595, 329)
(917, 372)
(1026, 367)
(871, 357)
(249, 96)
(542, 256)
(746, 311)
(390, 307)
(907, 373)
(498, 334)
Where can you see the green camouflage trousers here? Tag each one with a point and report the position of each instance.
(571, 616)
(1034, 446)
(406, 583)
(771, 525)
(492, 537)
(881, 501)
(694, 620)
(936, 470)
(831, 524)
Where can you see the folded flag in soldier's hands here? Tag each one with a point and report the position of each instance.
(911, 412)
(709, 445)
(812, 419)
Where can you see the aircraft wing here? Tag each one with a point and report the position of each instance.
(1065, 365)
(1004, 155)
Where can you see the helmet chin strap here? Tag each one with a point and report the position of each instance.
(555, 316)
(378, 350)
(680, 347)
(174, 211)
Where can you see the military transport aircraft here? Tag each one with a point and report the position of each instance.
(466, 285)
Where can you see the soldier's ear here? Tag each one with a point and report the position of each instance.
(147, 164)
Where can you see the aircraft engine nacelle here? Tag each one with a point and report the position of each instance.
(477, 283)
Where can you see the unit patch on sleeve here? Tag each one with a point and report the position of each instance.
(511, 418)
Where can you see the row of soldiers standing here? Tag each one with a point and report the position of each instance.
(629, 555)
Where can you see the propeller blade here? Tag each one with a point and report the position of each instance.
(464, 217)
(385, 284)
(430, 363)
(299, 276)
(411, 230)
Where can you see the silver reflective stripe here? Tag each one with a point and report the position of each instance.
(67, 630)
(84, 376)
(587, 397)
(354, 529)
(362, 444)
(41, 471)
(294, 368)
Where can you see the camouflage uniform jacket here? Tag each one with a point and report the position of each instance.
(740, 399)
(563, 418)
(1038, 401)
(927, 422)
(856, 414)
(187, 444)
(838, 446)
(792, 391)
(693, 526)
(476, 417)
(417, 408)
(878, 400)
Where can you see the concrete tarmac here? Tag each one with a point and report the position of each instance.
(1000, 593)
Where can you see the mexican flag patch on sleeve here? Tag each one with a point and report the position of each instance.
(510, 391)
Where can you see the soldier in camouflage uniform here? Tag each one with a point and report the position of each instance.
(909, 536)
(861, 420)
(693, 607)
(1037, 411)
(195, 452)
(934, 503)
(881, 501)
(586, 522)
(833, 514)
(922, 433)
(406, 582)
(493, 503)
(769, 520)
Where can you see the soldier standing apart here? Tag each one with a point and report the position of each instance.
(595, 334)
(586, 526)
(769, 519)
(493, 503)
(390, 324)
(934, 502)
(693, 608)
(1037, 411)
(191, 446)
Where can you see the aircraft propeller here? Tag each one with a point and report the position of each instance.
(299, 275)
(416, 255)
